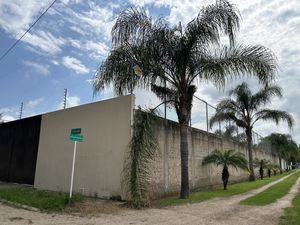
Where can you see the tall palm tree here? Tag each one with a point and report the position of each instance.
(246, 109)
(173, 60)
(226, 159)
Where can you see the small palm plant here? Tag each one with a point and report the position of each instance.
(226, 158)
(262, 165)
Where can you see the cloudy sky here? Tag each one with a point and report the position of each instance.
(65, 47)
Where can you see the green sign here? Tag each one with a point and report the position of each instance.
(76, 131)
(76, 137)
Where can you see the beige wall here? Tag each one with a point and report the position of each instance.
(166, 174)
(106, 127)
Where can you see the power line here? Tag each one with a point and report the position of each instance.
(17, 41)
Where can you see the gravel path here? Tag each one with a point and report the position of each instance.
(221, 211)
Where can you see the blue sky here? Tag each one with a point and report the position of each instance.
(65, 47)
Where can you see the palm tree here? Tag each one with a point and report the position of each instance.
(262, 165)
(226, 159)
(173, 60)
(229, 132)
(284, 146)
(246, 109)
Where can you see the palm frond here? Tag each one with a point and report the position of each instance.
(221, 17)
(264, 163)
(226, 63)
(263, 96)
(132, 25)
(227, 158)
(220, 116)
(215, 157)
(274, 115)
(165, 93)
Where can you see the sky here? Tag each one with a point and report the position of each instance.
(64, 49)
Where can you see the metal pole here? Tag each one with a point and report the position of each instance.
(165, 99)
(207, 125)
(65, 98)
(21, 111)
(72, 175)
(131, 66)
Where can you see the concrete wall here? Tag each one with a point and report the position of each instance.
(166, 174)
(106, 127)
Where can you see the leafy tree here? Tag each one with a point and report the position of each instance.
(173, 60)
(245, 109)
(226, 159)
(284, 146)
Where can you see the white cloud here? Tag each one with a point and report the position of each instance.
(75, 65)
(32, 104)
(15, 16)
(75, 43)
(37, 68)
(15, 19)
(72, 101)
(55, 62)
(45, 41)
(97, 50)
(9, 114)
(30, 108)
(7, 118)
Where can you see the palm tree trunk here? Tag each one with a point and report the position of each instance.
(225, 177)
(184, 154)
(250, 153)
(261, 170)
(183, 114)
(280, 164)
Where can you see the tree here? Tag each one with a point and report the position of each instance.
(229, 132)
(262, 165)
(284, 146)
(245, 110)
(226, 159)
(173, 60)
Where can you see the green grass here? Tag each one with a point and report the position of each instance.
(233, 189)
(273, 193)
(44, 200)
(292, 215)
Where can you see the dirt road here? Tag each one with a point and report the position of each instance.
(221, 211)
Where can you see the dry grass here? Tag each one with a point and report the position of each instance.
(94, 207)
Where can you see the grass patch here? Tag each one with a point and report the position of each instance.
(44, 200)
(233, 189)
(273, 193)
(291, 215)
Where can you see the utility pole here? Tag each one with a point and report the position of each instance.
(21, 110)
(65, 98)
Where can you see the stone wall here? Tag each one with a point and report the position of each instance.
(166, 172)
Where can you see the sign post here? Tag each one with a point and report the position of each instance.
(72, 174)
(76, 137)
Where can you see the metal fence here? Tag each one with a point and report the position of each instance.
(202, 111)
